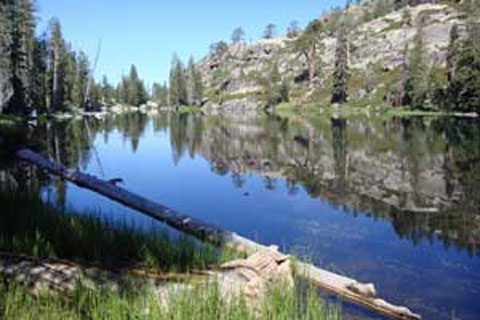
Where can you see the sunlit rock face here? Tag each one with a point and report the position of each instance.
(242, 68)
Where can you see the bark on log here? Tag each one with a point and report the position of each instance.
(347, 288)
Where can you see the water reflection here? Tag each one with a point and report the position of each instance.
(422, 175)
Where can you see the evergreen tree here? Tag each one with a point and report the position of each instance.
(417, 86)
(96, 91)
(238, 35)
(160, 94)
(308, 44)
(452, 53)
(70, 61)
(284, 90)
(6, 89)
(123, 90)
(270, 31)
(107, 90)
(293, 29)
(81, 80)
(57, 65)
(219, 48)
(194, 84)
(341, 72)
(465, 85)
(399, 4)
(22, 43)
(41, 89)
(136, 93)
(178, 86)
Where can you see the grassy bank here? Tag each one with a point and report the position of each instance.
(28, 226)
(188, 109)
(199, 302)
(355, 110)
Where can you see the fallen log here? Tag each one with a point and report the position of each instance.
(347, 288)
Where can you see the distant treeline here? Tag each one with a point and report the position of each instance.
(44, 73)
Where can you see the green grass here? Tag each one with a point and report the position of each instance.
(393, 26)
(187, 109)
(28, 226)
(202, 301)
(10, 120)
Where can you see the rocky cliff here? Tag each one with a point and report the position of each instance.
(235, 78)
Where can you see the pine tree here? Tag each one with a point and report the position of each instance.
(137, 94)
(284, 90)
(57, 65)
(341, 72)
(81, 79)
(70, 63)
(40, 69)
(465, 86)
(417, 86)
(178, 86)
(452, 53)
(308, 44)
(6, 89)
(22, 31)
(194, 84)
(293, 29)
(107, 90)
(238, 35)
(160, 94)
(270, 31)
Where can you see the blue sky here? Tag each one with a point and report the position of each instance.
(148, 32)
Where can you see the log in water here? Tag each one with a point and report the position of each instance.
(347, 288)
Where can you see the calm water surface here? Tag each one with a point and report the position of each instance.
(392, 202)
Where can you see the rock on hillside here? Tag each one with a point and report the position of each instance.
(235, 77)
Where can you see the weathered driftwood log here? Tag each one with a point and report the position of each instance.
(347, 288)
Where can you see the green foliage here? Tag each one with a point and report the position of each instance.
(284, 90)
(293, 30)
(308, 43)
(277, 89)
(41, 72)
(131, 90)
(19, 35)
(341, 72)
(137, 300)
(194, 84)
(160, 94)
(382, 7)
(311, 36)
(238, 35)
(465, 80)
(81, 79)
(178, 83)
(417, 87)
(219, 48)
(108, 92)
(28, 226)
(270, 31)
(57, 52)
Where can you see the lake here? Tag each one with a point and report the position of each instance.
(394, 201)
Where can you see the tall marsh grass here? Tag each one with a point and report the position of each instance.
(29, 226)
(199, 302)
